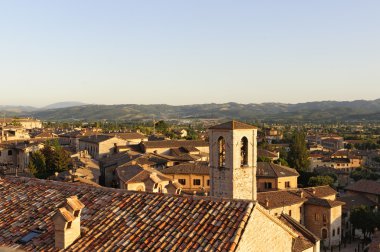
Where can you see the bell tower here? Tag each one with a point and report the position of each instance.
(233, 155)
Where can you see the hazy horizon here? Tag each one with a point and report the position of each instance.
(279, 102)
(195, 52)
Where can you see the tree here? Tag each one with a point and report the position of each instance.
(162, 127)
(364, 173)
(298, 156)
(364, 219)
(263, 159)
(321, 181)
(282, 162)
(37, 164)
(51, 159)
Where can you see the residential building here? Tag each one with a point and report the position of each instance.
(26, 123)
(316, 208)
(13, 133)
(272, 176)
(367, 188)
(165, 146)
(99, 146)
(191, 176)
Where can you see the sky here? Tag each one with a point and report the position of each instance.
(188, 52)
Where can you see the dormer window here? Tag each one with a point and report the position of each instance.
(69, 224)
(221, 152)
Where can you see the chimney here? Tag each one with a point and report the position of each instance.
(300, 193)
(266, 202)
(313, 190)
(67, 223)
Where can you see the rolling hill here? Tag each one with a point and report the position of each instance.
(310, 111)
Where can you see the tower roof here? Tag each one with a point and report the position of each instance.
(232, 125)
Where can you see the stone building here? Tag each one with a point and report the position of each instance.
(99, 146)
(233, 160)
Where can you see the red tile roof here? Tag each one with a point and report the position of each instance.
(119, 220)
(365, 186)
(276, 199)
(175, 143)
(188, 168)
(324, 202)
(271, 170)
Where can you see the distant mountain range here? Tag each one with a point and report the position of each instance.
(324, 111)
(59, 105)
(20, 110)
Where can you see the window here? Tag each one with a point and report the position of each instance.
(208, 182)
(324, 233)
(196, 182)
(290, 213)
(333, 234)
(182, 181)
(221, 152)
(244, 152)
(159, 188)
(338, 231)
(268, 185)
(69, 224)
(324, 218)
(316, 217)
(287, 184)
(10, 152)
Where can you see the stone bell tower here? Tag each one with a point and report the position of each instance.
(233, 155)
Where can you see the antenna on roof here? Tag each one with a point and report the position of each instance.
(154, 126)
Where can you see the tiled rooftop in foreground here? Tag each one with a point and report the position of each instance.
(119, 220)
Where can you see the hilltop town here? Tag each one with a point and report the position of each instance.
(299, 187)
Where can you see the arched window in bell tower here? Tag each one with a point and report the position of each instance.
(221, 152)
(244, 152)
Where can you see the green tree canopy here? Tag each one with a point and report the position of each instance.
(364, 219)
(298, 156)
(321, 181)
(52, 158)
(364, 173)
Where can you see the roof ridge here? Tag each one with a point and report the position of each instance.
(303, 229)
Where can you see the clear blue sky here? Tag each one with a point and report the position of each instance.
(184, 52)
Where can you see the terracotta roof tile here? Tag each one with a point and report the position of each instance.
(365, 186)
(271, 170)
(119, 220)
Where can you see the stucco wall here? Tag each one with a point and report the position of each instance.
(263, 234)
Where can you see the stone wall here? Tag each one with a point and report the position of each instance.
(233, 180)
